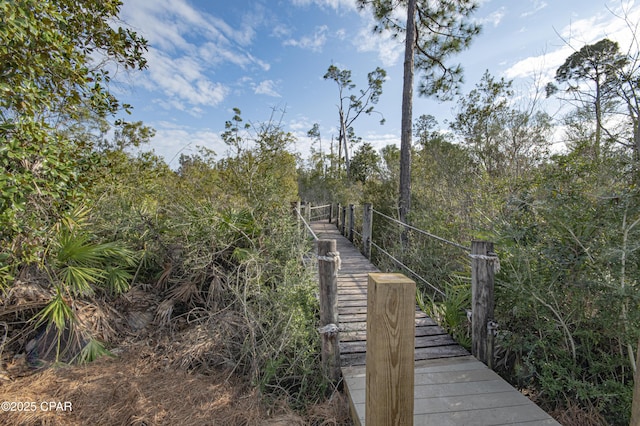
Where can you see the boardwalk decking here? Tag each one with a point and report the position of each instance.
(451, 386)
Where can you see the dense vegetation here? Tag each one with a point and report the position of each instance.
(97, 242)
(100, 246)
(566, 224)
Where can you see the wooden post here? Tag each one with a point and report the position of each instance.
(391, 307)
(330, 212)
(328, 259)
(343, 218)
(367, 227)
(295, 206)
(482, 301)
(351, 220)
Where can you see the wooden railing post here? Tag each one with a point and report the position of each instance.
(295, 207)
(343, 219)
(367, 227)
(351, 220)
(330, 212)
(328, 264)
(391, 301)
(483, 262)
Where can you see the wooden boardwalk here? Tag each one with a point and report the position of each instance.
(451, 386)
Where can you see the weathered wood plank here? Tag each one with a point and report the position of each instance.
(352, 335)
(420, 342)
(451, 387)
(450, 403)
(389, 358)
(487, 416)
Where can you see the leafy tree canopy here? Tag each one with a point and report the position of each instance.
(53, 58)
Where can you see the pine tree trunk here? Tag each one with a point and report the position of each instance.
(407, 104)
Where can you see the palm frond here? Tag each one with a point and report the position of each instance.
(77, 248)
(79, 279)
(57, 312)
(92, 351)
(117, 279)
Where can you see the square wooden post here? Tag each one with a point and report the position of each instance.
(295, 206)
(351, 221)
(482, 300)
(367, 227)
(391, 309)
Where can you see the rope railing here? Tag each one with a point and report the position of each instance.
(356, 230)
(325, 210)
(481, 262)
(443, 240)
(319, 207)
(415, 274)
(313, 234)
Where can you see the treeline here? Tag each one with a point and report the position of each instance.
(565, 220)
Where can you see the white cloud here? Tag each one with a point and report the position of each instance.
(181, 79)
(267, 87)
(171, 140)
(314, 42)
(574, 36)
(281, 31)
(333, 4)
(301, 124)
(494, 18)
(380, 140)
(538, 5)
(389, 49)
(186, 46)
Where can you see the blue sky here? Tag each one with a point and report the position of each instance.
(208, 56)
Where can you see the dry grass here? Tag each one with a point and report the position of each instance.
(574, 415)
(139, 388)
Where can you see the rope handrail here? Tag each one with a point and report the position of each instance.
(460, 246)
(313, 234)
(319, 207)
(409, 269)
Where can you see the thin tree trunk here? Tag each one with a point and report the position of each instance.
(340, 153)
(407, 106)
(598, 121)
(343, 131)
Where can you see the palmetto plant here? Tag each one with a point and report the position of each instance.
(78, 266)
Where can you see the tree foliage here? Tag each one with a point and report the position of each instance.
(50, 76)
(435, 30)
(504, 139)
(443, 29)
(591, 76)
(351, 106)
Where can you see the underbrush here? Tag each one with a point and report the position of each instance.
(219, 288)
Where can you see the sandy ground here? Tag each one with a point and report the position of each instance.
(136, 389)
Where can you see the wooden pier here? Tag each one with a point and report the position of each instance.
(451, 387)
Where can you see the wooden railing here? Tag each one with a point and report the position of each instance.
(483, 264)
